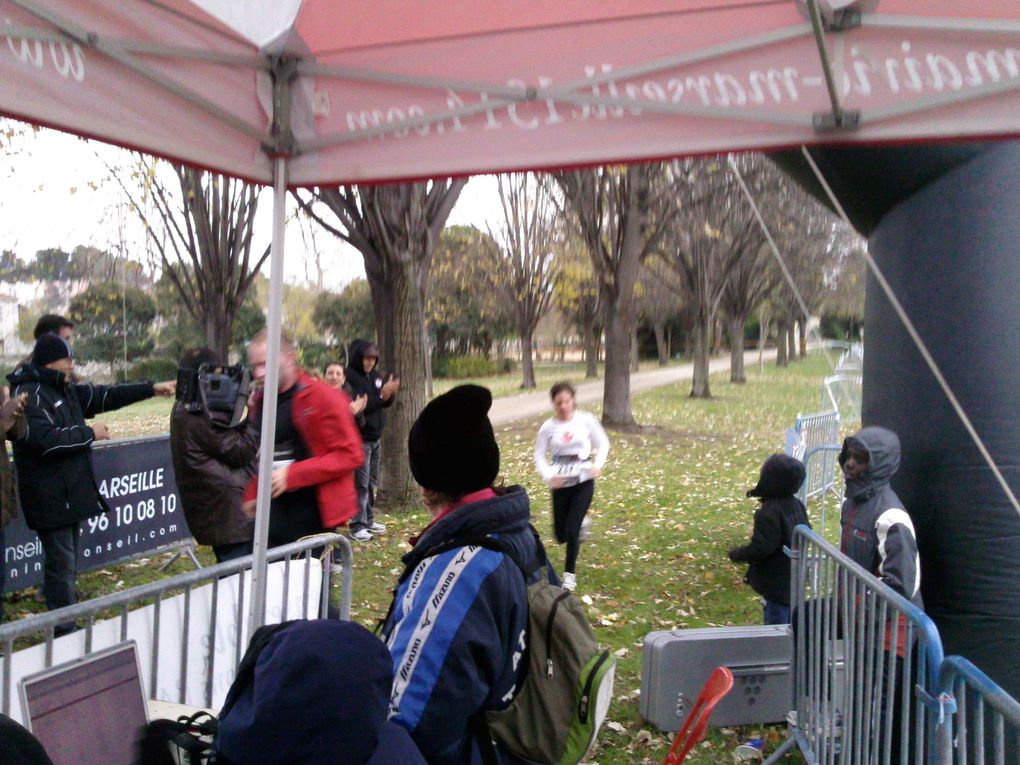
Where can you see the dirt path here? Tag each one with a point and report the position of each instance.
(510, 408)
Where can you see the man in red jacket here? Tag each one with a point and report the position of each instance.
(317, 449)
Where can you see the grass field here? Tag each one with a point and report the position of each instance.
(669, 505)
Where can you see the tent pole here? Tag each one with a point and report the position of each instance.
(257, 601)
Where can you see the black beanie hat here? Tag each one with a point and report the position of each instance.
(451, 446)
(49, 348)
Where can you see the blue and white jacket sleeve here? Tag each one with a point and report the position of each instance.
(457, 640)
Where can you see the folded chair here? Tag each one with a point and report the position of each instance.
(693, 730)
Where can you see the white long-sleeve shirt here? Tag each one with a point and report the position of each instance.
(571, 448)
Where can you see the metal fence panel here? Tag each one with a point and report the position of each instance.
(199, 632)
(860, 650)
(985, 727)
(818, 430)
(842, 392)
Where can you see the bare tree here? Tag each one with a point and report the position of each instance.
(749, 283)
(577, 297)
(714, 230)
(395, 227)
(659, 303)
(524, 262)
(203, 237)
(621, 215)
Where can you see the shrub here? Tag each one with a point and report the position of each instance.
(461, 367)
(156, 369)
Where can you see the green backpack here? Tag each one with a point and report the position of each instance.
(564, 698)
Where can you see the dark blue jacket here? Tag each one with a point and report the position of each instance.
(458, 628)
(316, 695)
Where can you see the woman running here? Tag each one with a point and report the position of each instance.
(578, 447)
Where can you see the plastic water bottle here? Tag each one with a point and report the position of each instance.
(749, 751)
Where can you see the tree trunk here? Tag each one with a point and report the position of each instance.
(802, 324)
(791, 337)
(397, 487)
(591, 350)
(660, 343)
(616, 408)
(635, 352)
(781, 357)
(527, 367)
(217, 333)
(737, 351)
(717, 337)
(702, 339)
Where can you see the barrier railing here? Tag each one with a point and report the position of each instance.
(842, 392)
(822, 482)
(860, 649)
(986, 724)
(199, 618)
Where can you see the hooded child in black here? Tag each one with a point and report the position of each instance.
(769, 573)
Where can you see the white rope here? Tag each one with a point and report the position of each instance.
(778, 255)
(918, 342)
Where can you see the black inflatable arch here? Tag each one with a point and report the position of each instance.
(943, 223)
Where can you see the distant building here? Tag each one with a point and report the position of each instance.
(10, 344)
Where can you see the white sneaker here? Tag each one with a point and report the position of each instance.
(362, 535)
(569, 581)
(377, 528)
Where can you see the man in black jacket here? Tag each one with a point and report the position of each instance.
(364, 378)
(55, 480)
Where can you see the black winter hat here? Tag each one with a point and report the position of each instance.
(781, 476)
(451, 446)
(50, 348)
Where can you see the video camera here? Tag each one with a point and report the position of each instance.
(214, 388)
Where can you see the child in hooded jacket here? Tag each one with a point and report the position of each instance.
(768, 574)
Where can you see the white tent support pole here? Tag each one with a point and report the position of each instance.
(936, 102)
(915, 336)
(252, 62)
(92, 41)
(991, 26)
(600, 78)
(838, 115)
(257, 601)
(560, 96)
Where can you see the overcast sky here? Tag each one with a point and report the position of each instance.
(47, 200)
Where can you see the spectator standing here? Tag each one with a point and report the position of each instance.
(768, 574)
(213, 463)
(316, 451)
(365, 380)
(578, 447)
(334, 375)
(457, 628)
(54, 466)
(54, 324)
(12, 425)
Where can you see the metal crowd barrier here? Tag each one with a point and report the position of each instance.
(986, 725)
(842, 392)
(860, 652)
(823, 481)
(818, 430)
(198, 626)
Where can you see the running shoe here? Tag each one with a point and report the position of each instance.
(362, 535)
(377, 528)
(569, 581)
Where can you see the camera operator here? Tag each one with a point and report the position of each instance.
(213, 459)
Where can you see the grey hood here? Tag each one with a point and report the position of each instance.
(883, 448)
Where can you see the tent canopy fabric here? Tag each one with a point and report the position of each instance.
(376, 90)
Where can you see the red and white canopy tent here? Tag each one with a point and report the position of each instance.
(306, 93)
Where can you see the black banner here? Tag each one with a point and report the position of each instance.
(136, 477)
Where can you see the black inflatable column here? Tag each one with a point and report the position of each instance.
(951, 252)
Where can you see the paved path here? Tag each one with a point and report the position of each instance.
(509, 408)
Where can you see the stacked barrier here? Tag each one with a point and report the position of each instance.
(186, 611)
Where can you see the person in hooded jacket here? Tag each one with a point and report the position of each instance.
(53, 462)
(313, 693)
(457, 628)
(877, 532)
(768, 574)
(364, 379)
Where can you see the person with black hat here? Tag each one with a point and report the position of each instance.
(780, 511)
(457, 628)
(54, 468)
(364, 379)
